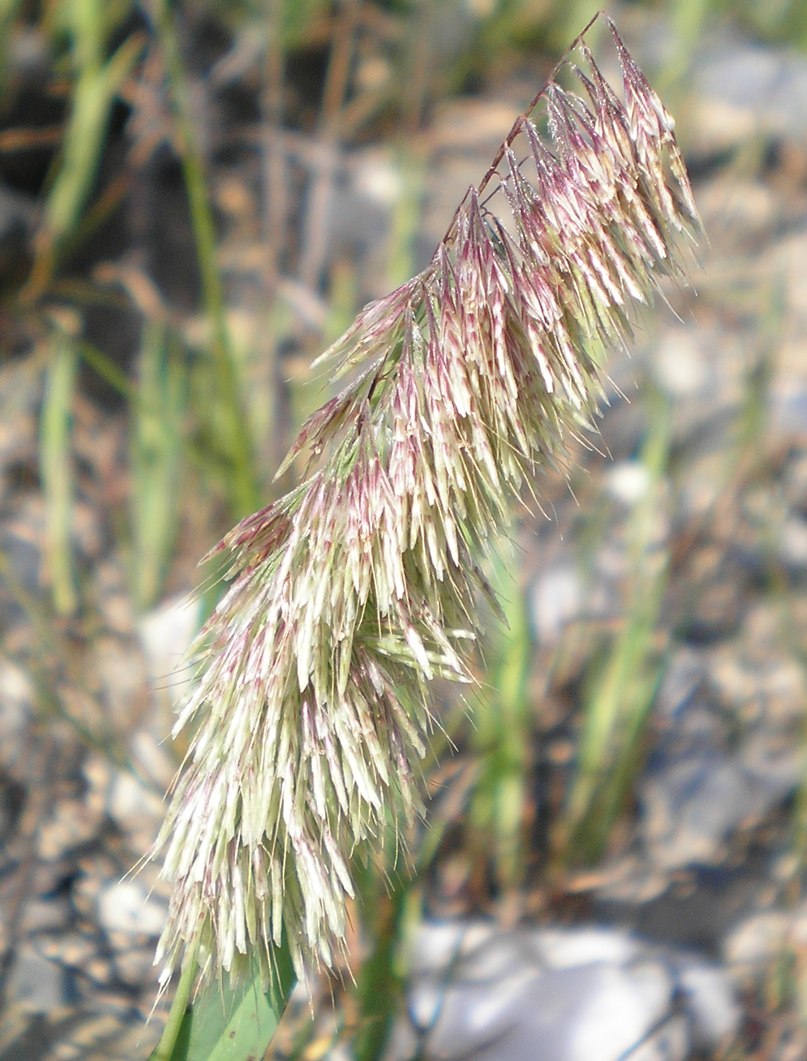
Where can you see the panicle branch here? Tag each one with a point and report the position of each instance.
(352, 592)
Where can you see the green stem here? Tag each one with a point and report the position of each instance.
(380, 984)
(164, 1050)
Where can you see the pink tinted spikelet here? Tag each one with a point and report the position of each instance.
(351, 593)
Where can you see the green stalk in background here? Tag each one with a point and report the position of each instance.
(502, 729)
(157, 444)
(97, 82)
(9, 11)
(236, 440)
(57, 471)
(621, 689)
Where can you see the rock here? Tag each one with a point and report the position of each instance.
(628, 482)
(165, 634)
(559, 995)
(42, 915)
(71, 824)
(679, 365)
(692, 805)
(716, 767)
(746, 89)
(36, 984)
(16, 712)
(713, 1013)
(755, 942)
(125, 796)
(793, 546)
(557, 598)
(128, 907)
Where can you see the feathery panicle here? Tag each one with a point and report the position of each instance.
(351, 593)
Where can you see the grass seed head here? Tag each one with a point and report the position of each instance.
(351, 593)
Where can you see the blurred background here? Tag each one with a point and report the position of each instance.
(194, 200)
